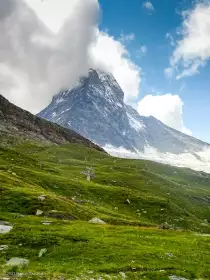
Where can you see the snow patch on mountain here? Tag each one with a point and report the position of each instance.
(137, 125)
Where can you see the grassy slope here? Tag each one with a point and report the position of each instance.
(158, 194)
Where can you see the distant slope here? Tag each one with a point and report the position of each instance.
(16, 121)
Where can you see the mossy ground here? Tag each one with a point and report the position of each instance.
(130, 241)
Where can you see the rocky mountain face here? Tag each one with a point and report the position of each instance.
(95, 108)
(15, 121)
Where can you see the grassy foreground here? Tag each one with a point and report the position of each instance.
(133, 197)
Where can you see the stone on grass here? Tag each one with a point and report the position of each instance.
(42, 252)
(174, 277)
(17, 262)
(47, 223)
(5, 227)
(122, 274)
(96, 221)
(3, 247)
(39, 212)
(128, 201)
(169, 255)
(42, 197)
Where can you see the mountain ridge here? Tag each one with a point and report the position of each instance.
(16, 121)
(96, 105)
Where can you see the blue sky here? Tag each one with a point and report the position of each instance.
(150, 29)
(158, 52)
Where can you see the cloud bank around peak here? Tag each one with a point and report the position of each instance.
(35, 63)
(111, 55)
(167, 108)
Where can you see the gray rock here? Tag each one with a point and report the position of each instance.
(39, 212)
(3, 247)
(123, 274)
(5, 227)
(42, 197)
(42, 252)
(128, 201)
(173, 277)
(96, 221)
(170, 255)
(47, 223)
(17, 262)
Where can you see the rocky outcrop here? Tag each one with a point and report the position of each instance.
(15, 121)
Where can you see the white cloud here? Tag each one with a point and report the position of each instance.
(111, 55)
(124, 38)
(52, 12)
(39, 63)
(193, 49)
(192, 69)
(166, 108)
(35, 63)
(199, 161)
(148, 5)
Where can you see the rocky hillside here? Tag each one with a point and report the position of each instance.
(16, 121)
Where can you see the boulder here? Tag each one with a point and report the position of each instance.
(42, 197)
(3, 247)
(42, 252)
(122, 274)
(39, 212)
(128, 201)
(17, 262)
(96, 221)
(47, 223)
(173, 277)
(5, 227)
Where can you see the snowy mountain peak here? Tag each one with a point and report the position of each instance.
(96, 84)
(106, 82)
(96, 110)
